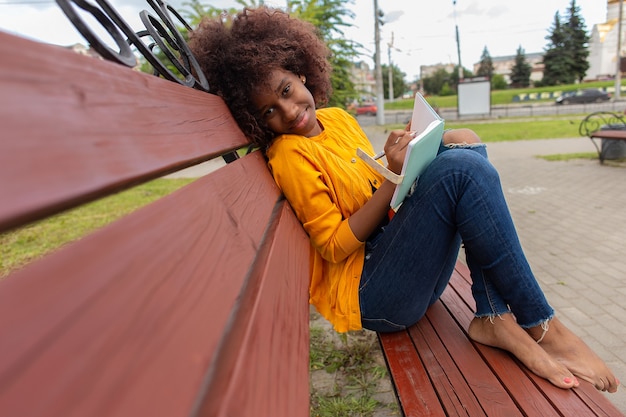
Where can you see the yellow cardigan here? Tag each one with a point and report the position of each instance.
(326, 182)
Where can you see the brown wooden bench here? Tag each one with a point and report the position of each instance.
(195, 304)
(605, 129)
(438, 371)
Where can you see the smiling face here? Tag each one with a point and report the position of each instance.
(286, 105)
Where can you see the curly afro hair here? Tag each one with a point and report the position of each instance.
(238, 53)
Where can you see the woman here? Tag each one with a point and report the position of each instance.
(369, 270)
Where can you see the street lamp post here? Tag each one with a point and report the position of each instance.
(390, 45)
(380, 92)
(458, 42)
(618, 71)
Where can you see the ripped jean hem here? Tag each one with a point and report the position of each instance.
(465, 145)
(492, 316)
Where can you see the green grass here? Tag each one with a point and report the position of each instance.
(569, 156)
(616, 163)
(23, 245)
(548, 127)
(356, 373)
(499, 97)
(344, 407)
(524, 129)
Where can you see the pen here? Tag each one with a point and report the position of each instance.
(379, 155)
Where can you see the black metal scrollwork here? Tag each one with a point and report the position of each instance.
(601, 120)
(161, 29)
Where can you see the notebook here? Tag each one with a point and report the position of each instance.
(420, 153)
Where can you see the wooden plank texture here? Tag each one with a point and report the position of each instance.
(609, 134)
(474, 373)
(128, 320)
(413, 387)
(260, 368)
(585, 400)
(473, 379)
(75, 127)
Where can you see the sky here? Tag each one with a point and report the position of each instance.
(419, 32)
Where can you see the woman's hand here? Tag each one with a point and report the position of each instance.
(367, 218)
(395, 148)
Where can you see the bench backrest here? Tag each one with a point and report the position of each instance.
(193, 305)
(601, 120)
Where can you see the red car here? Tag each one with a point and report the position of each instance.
(369, 109)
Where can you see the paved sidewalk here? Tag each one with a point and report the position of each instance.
(571, 220)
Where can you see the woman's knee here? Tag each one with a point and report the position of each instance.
(471, 159)
(460, 136)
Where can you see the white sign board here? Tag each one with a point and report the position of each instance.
(474, 96)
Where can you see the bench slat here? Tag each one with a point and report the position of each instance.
(609, 134)
(140, 323)
(493, 377)
(516, 381)
(413, 388)
(267, 340)
(583, 401)
(451, 387)
(71, 136)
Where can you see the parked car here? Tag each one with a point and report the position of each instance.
(589, 95)
(367, 108)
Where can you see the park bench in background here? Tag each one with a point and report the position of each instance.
(607, 131)
(195, 305)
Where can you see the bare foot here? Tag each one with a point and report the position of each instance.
(503, 332)
(567, 348)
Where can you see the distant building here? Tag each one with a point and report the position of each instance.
(603, 45)
(429, 70)
(84, 50)
(501, 65)
(91, 52)
(504, 64)
(364, 80)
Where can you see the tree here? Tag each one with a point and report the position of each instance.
(434, 83)
(330, 17)
(520, 73)
(566, 56)
(454, 77)
(399, 86)
(557, 59)
(498, 82)
(577, 41)
(485, 68)
(443, 83)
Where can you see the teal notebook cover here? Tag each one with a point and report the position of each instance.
(421, 150)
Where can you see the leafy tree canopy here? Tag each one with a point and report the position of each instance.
(397, 79)
(565, 58)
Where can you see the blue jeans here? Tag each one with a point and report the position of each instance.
(408, 263)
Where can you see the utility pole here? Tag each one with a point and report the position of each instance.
(380, 91)
(618, 72)
(390, 46)
(458, 43)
